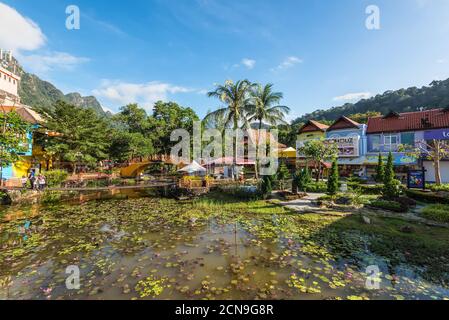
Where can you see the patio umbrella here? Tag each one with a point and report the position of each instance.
(193, 167)
(287, 153)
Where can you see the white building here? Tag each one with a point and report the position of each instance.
(9, 83)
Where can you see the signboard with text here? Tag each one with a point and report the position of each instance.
(438, 134)
(347, 146)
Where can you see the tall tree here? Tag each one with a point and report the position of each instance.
(332, 181)
(132, 118)
(380, 169)
(318, 151)
(390, 189)
(81, 136)
(166, 117)
(13, 139)
(265, 108)
(237, 98)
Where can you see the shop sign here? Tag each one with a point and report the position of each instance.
(347, 146)
(438, 134)
(416, 179)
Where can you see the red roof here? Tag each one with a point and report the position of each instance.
(409, 121)
(344, 123)
(313, 125)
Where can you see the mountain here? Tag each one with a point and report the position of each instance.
(434, 96)
(36, 92)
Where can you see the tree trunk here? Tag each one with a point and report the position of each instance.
(234, 160)
(257, 150)
(436, 162)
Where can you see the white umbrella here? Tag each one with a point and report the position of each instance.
(193, 167)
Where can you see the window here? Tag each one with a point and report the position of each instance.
(391, 142)
(408, 139)
(374, 143)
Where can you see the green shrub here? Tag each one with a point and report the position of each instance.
(430, 197)
(266, 186)
(436, 212)
(388, 205)
(371, 189)
(301, 179)
(55, 178)
(49, 197)
(443, 187)
(317, 187)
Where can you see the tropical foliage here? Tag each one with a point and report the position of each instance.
(13, 138)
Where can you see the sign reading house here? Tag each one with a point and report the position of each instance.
(438, 134)
(347, 146)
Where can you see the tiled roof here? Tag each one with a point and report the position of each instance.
(25, 112)
(343, 123)
(313, 125)
(410, 121)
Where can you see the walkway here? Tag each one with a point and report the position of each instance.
(307, 204)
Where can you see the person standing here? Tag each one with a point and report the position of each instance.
(24, 181)
(42, 182)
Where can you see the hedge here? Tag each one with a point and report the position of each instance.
(430, 197)
(388, 205)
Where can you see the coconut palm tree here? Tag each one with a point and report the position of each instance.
(237, 97)
(265, 108)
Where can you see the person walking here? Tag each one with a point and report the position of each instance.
(32, 178)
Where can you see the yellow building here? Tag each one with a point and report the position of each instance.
(312, 130)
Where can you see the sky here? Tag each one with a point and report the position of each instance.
(318, 53)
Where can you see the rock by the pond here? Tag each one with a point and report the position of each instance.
(366, 220)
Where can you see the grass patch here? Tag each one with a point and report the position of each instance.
(436, 212)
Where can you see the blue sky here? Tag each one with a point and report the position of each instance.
(317, 52)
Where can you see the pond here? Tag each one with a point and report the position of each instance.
(212, 248)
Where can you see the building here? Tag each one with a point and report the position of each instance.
(312, 130)
(398, 133)
(10, 101)
(350, 137)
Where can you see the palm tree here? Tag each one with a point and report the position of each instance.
(237, 98)
(265, 108)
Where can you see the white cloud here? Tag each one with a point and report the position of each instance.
(288, 63)
(18, 32)
(27, 41)
(42, 63)
(353, 96)
(249, 63)
(146, 94)
(441, 61)
(106, 109)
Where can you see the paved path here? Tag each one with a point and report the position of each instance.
(305, 205)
